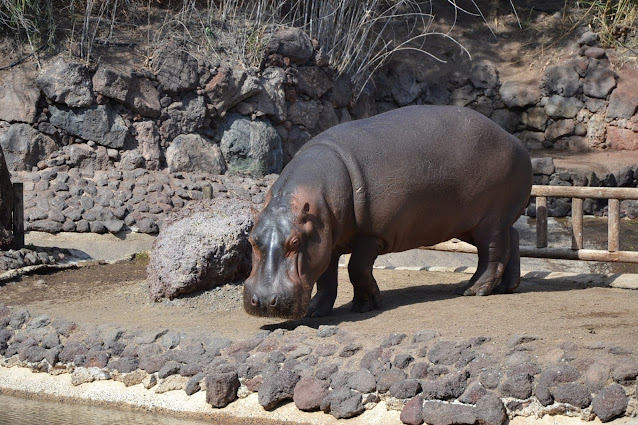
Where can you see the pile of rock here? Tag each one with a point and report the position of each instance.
(108, 148)
(428, 377)
(13, 259)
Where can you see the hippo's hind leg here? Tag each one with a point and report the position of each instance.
(512, 274)
(493, 246)
(366, 291)
(324, 300)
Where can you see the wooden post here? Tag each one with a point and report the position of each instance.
(613, 224)
(18, 215)
(577, 223)
(207, 191)
(541, 222)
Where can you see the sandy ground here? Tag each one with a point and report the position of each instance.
(556, 307)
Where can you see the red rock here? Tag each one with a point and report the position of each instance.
(412, 413)
(621, 138)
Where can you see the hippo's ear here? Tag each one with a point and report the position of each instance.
(303, 216)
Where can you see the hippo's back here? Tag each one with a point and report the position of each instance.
(439, 168)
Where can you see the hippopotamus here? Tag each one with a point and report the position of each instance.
(403, 179)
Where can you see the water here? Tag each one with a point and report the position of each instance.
(23, 411)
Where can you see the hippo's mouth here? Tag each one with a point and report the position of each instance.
(291, 303)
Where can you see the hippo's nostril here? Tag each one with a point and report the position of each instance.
(254, 301)
(273, 300)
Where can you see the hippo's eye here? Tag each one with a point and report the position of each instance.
(293, 244)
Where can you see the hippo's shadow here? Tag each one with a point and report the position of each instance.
(394, 298)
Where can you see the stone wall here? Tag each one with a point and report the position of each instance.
(111, 147)
(579, 104)
(179, 115)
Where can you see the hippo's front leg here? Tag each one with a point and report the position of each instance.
(366, 291)
(324, 300)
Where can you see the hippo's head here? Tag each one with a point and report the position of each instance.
(291, 249)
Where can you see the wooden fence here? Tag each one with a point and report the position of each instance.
(576, 252)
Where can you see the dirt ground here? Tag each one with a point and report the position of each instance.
(579, 309)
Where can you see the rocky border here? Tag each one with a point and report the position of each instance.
(426, 376)
(17, 262)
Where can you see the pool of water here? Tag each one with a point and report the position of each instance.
(24, 411)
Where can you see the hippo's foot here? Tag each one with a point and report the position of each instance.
(488, 275)
(507, 286)
(321, 305)
(366, 301)
(479, 289)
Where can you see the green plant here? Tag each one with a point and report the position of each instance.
(143, 257)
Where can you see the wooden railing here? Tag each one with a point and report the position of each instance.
(576, 252)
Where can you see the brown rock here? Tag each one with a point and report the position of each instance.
(412, 413)
(309, 392)
(221, 389)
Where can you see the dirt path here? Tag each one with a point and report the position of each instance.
(578, 309)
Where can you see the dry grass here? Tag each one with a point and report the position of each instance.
(615, 20)
(357, 36)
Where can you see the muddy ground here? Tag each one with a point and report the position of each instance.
(580, 309)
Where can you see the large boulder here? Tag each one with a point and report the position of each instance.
(176, 69)
(562, 80)
(623, 102)
(194, 153)
(18, 97)
(484, 75)
(68, 83)
(143, 98)
(312, 81)
(100, 124)
(293, 43)
(112, 82)
(185, 116)
(251, 147)
(146, 136)
(6, 206)
(271, 101)
(83, 156)
(599, 82)
(229, 87)
(517, 94)
(403, 85)
(25, 146)
(563, 107)
(201, 246)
